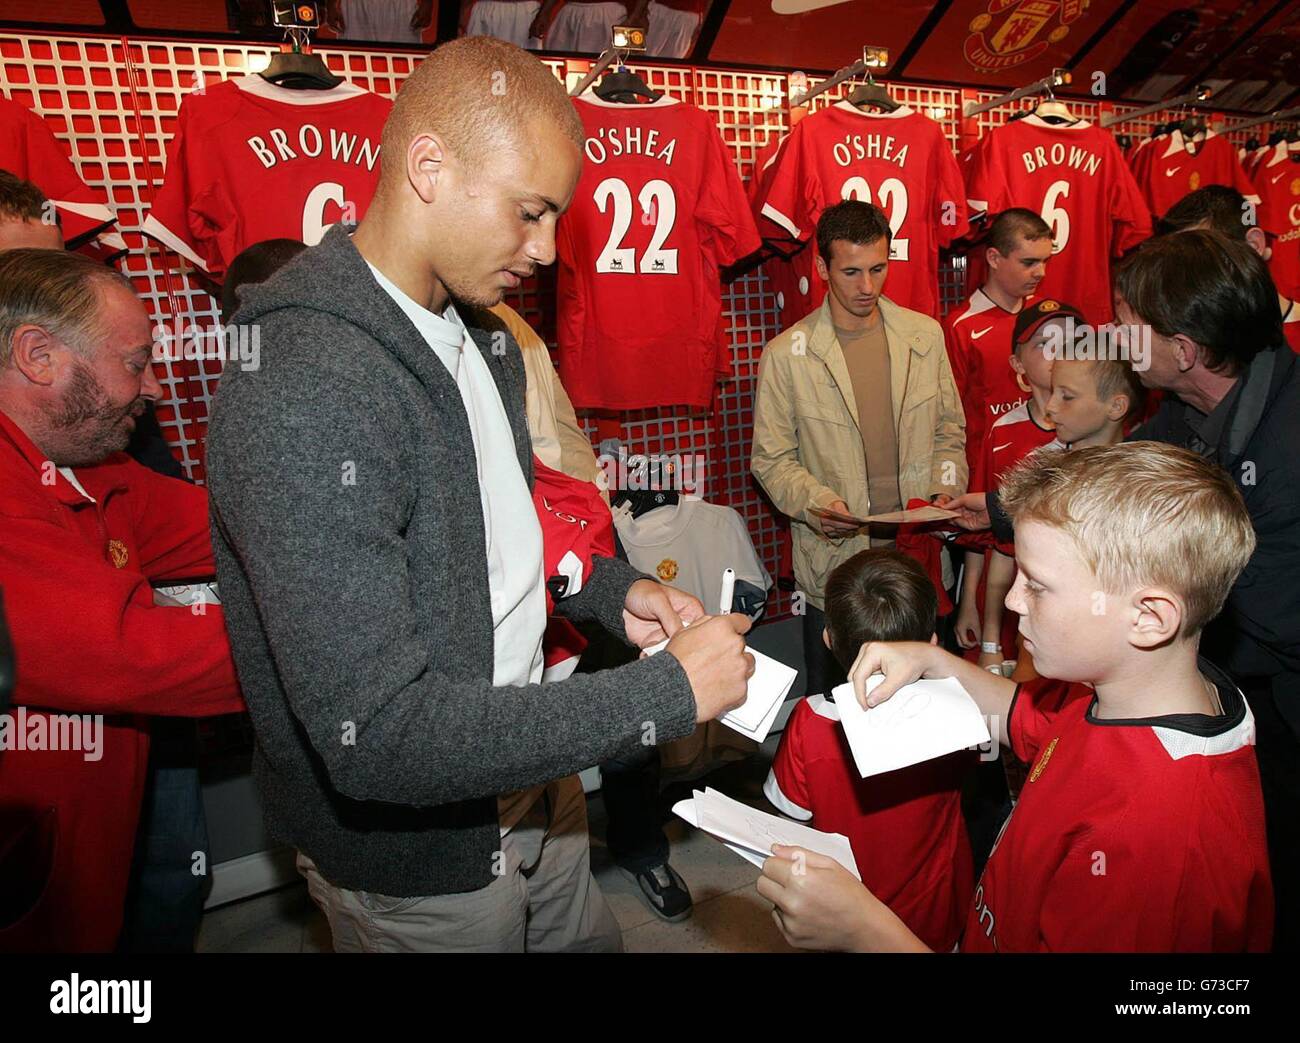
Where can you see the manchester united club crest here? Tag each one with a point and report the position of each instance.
(1295, 187)
(1012, 32)
(118, 554)
(667, 570)
(1194, 181)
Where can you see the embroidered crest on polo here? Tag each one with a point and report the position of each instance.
(118, 554)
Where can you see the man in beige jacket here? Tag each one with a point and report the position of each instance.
(856, 414)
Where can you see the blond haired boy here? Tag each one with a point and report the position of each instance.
(1141, 827)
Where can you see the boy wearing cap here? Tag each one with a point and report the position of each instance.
(1039, 326)
(1142, 826)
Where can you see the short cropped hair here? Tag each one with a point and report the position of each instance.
(1113, 377)
(1217, 207)
(56, 290)
(878, 595)
(476, 93)
(853, 221)
(21, 200)
(1014, 224)
(1212, 289)
(1141, 513)
(255, 264)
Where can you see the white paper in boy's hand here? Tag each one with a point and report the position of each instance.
(766, 691)
(751, 833)
(913, 516)
(921, 721)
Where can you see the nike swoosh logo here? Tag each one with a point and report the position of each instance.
(1279, 177)
(1171, 173)
(801, 6)
(977, 336)
(999, 448)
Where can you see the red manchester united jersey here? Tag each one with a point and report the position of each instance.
(899, 160)
(658, 211)
(1008, 440)
(253, 161)
(979, 350)
(788, 266)
(1130, 835)
(1177, 167)
(1075, 177)
(29, 150)
(906, 828)
(1277, 181)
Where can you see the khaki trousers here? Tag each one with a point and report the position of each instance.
(543, 900)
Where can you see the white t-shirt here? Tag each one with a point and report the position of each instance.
(688, 544)
(513, 533)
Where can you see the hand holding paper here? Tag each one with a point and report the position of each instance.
(751, 833)
(765, 689)
(921, 721)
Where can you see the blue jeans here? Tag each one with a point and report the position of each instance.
(165, 898)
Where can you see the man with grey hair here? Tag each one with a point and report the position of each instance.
(380, 557)
(87, 531)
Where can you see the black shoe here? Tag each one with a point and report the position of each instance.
(664, 891)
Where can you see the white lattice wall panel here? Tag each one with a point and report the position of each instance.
(113, 104)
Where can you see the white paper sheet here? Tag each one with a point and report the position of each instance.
(914, 516)
(751, 833)
(921, 721)
(767, 689)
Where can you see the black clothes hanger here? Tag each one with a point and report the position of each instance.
(1049, 110)
(623, 87)
(643, 501)
(299, 70)
(870, 94)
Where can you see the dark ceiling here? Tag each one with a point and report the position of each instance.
(1138, 50)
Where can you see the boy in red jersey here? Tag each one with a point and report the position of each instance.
(1008, 440)
(906, 828)
(1141, 827)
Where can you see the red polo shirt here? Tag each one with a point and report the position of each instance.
(76, 571)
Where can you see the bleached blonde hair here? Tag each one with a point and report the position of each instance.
(1141, 513)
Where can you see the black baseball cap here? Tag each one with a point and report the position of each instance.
(1033, 316)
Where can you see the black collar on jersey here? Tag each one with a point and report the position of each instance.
(1234, 710)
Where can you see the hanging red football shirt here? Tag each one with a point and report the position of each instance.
(1130, 835)
(899, 160)
(1180, 167)
(905, 827)
(1277, 181)
(576, 528)
(658, 211)
(979, 349)
(253, 161)
(1074, 175)
(29, 149)
(788, 267)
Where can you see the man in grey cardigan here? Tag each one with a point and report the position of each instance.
(380, 559)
